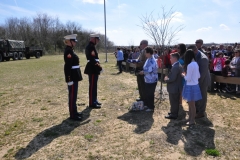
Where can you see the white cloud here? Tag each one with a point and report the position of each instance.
(177, 17)
(204, 29)
(93, 1)
(224, 27)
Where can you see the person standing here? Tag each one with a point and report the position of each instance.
(120, 58)
(93, 70)
(174, 85)
(191, 90)
(150, 72)
(72, 75)
(204, 80)
(139, 67)
(181, 49)
(199, 44)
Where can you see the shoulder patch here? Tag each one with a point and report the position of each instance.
(69, 56)
(93, 53)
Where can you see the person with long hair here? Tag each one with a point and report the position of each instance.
(191, 90)
(181, 49)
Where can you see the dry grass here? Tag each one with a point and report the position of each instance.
(35, 124)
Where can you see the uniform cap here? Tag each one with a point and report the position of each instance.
(71, 37)
(93, 35)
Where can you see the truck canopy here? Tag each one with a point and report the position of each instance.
(13, 44)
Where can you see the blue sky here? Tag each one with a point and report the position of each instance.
(211, 20)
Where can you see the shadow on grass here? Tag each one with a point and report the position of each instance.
(142, 119)
(225, 95)
(196, 139)
(47, 136)
(173, 130)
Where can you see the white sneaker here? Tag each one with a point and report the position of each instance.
(149, 110)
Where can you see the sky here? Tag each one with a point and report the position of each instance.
(211, 20)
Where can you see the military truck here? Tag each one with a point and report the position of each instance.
(16, 50)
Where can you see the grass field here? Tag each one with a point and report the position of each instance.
(35, 125)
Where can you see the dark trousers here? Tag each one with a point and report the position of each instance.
(174, 99)
(119, 63)
(202, 103)
(141, 86)
(149, 94)
(72, 99)
(93, 79)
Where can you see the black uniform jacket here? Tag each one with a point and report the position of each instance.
(93, 65)
(71, 59)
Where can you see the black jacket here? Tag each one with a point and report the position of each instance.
(71, 59)
(93, 64)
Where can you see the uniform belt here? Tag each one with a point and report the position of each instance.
(95, 60)
(75, 67)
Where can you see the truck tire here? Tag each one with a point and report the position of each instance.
(37, 55)
(1, 58)
(15, 56)
(7, 58)
(27, 56)
(20, 56)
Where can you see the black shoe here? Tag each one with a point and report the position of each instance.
(95, 106)
(119, 72)
(76, 118)
(79, 114)
(169, 113)
(99, 103)
(170, 117)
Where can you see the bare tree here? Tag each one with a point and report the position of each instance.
(159, 29)
(11, 28)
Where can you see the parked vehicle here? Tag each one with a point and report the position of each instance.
(16, 50)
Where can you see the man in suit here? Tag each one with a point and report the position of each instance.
(174, 85)
(204, 80)
(139, 67)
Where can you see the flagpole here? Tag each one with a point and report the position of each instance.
(105, 30)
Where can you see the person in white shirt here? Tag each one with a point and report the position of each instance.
(191, 89)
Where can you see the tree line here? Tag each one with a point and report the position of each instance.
(47, 32)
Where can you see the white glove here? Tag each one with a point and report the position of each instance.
(70, 83)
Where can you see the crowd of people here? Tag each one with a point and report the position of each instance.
(188, 78)
(222, 60)
(189, 73)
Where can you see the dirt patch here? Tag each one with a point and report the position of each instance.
(35, 125)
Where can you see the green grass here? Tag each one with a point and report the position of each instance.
(88, 137)
(213, 152)
(34, 108)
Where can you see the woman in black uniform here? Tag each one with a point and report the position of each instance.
(72, 75)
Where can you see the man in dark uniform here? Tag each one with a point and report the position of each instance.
(93, 70)
(72, 75)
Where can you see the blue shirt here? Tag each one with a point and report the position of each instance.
(150, 70)
(120, 55)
